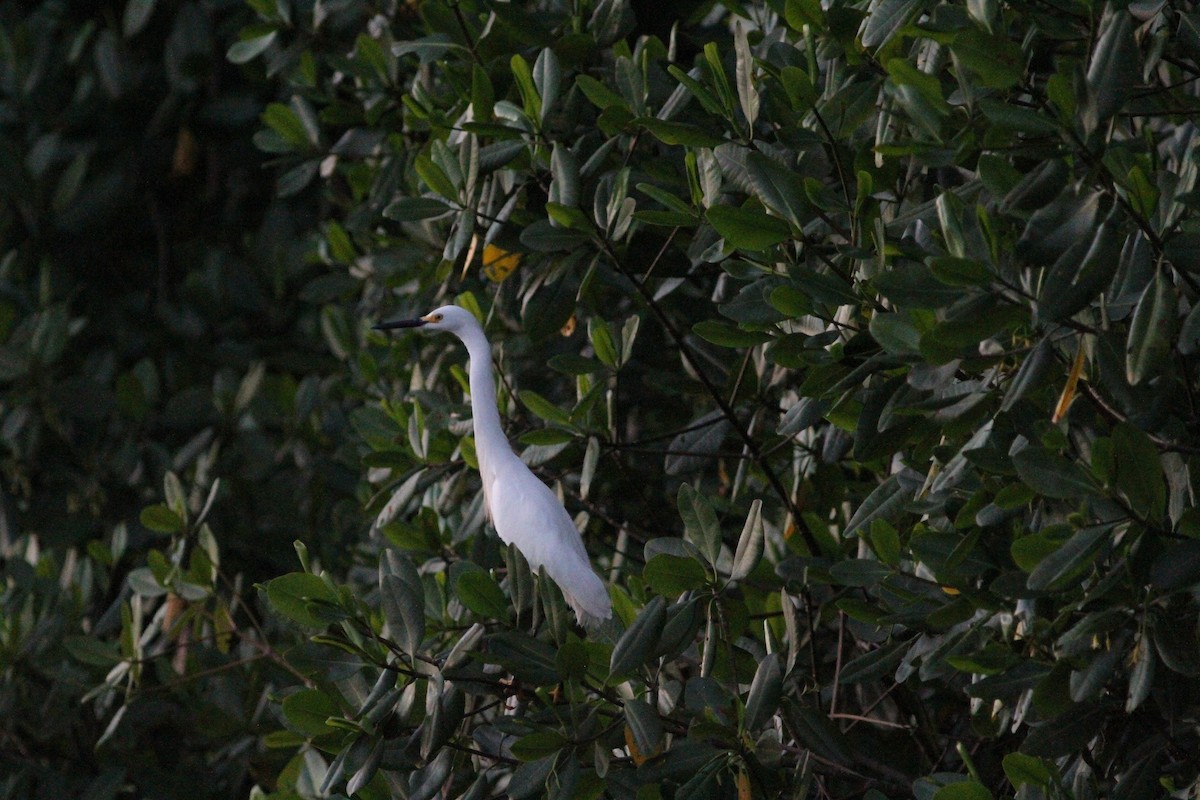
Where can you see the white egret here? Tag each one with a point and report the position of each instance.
(522, 509)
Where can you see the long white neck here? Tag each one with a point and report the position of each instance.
(489, 432)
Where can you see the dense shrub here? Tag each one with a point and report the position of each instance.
(860, 338)
(152, 320)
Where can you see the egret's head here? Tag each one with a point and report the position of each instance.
(446, 318)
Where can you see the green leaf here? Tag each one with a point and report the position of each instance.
(726, 335)
(293, 594)
(685, 759)
(790, 301)
(479, 592)
(884, 502)
(1013, 117)
(544, 237)
(750, 544)
(1021, 769)
(859, 572)
(602, 342)
(995, 62)
(644, 724)
(564, 179)
(434, 177)
(678, 133)
(1149, 341)
(402, 601)
(483, 96)
(1178, 567)
(744, 74)
(639, 639)
(963, 790)
(959, 271)
(747, 228)
(673, 575)
(532, 101)
(1074, 282)
(886, 18)
(1033, 369)
(779, 189)
(547, 77)
(599, 94)
(765, 692)
(806, 412)
(1052, 475)
(1070, 559)
(1113, 69)
(529, 659)
(161, 519)
(896, 333)
(1141, 677)
(90, 650)
(307, 710)
(1139, 470)
(247, 50)
(543, 408)
(700, 522)
(137, 14)
(798, 85)
(528, 780)
(927, 86)
(538, 744)
(411, 209)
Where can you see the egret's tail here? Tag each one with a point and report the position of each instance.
(587, 595)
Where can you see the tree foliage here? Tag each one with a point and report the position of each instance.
(860, 337)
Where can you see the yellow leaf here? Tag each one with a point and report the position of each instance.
(175, 608)
(569, 328)
(634, 753)
(951, 591)
(1068, 392)
(187, 151)
(743, 786)
(499, 263)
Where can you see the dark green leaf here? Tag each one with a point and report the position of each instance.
(747, 228)
(293, 594)
(673, 575)
(644, 724)
(1069, 560)
(307, 710)
(410, 209)
(678, 133)
(885, 18)
(1021, 769)
(638, 641)
(1150, 334)
(161, 519)
(726, 335)
(765, 690)
(479, 592)
(700, 522)
(682, 761)
(778, 188)
(402, 600)
(1052, 475)
(884, 502)
(963, 790)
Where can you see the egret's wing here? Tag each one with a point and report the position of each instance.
(526, 513)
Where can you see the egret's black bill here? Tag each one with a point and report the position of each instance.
(400, 323)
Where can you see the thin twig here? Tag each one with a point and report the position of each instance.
(726, 409)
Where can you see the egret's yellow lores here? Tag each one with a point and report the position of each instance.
(523, 509)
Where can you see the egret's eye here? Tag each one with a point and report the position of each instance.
(436, 318)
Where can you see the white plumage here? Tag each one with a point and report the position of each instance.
(523, 509)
